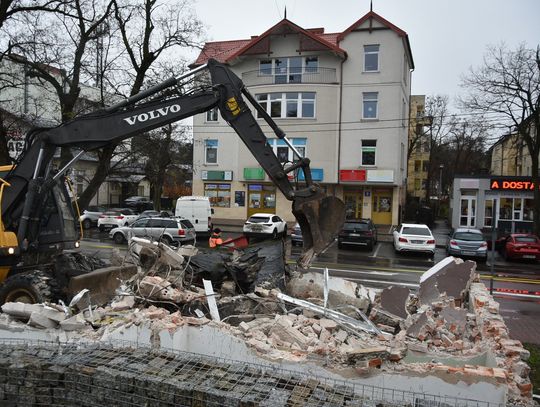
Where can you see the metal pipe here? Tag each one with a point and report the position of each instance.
(38, 162)
(66, 167)
(154, 89)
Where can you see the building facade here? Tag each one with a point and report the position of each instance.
(343, 100)
(418, 161)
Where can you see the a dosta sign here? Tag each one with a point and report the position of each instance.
(508, 184)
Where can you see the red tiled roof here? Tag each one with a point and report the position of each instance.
(225, 51)
(219, 50)
(312, 39)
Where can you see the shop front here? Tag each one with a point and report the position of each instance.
(504, 202)
(365, 197)
(261, 199)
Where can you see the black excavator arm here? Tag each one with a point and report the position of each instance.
(37, 207)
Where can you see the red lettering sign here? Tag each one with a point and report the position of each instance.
(352, 175)
(509, 185)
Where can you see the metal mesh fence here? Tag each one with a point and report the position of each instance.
(120, 374)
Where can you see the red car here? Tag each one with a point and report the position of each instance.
(521, 246)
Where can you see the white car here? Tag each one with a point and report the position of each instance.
(114, 218)
(414, 238)
(265, 224)
(90, 216)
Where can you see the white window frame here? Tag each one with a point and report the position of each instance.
(287, 70)
(377, 52)
(209, 144)
(300, 143)
(367, 149)
(367, 97)
(282, 98)
(212, 115)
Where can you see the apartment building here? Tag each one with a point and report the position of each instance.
(418, 161)
(343, 100)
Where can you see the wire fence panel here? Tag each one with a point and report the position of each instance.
(89, 375)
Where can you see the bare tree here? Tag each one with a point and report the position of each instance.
(508, 83)
(149, 29)
(436, 135)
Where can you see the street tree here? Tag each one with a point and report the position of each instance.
(150, 31)
(508, 84)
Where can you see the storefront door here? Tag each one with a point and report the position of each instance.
(353, 205)
(261, 199)
(467, 216)
(381, 211)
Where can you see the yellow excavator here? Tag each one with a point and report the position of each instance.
(39, 226)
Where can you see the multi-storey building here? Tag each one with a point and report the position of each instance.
(343, 100)
(510, 156)
(418, 160)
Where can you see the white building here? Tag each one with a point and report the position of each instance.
(343, 100)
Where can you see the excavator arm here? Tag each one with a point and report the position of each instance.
(28, 206)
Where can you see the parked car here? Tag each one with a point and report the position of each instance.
(296, 236)
(173, 231)
(467, 242)
(358, 232)
(90, 216)
(413, 237)
(265, 224)
(521, 246)
(197, 209)
(115, 218)
(138, 203)
(149, 214)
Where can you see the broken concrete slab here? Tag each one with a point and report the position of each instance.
(21, 310)
(38, 320)
(341, 292)
(287, 333)
(394, 300)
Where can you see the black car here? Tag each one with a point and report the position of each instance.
(139, 203)
(358, 232)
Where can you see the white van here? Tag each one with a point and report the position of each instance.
(197, 210)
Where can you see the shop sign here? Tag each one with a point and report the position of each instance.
(501, 184)
(317, 174)
(216, 175)
(380, 175)
(352, 175)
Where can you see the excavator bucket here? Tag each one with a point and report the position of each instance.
(320, 220)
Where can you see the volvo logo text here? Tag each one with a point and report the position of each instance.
(152, 114)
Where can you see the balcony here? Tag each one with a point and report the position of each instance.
(278, 77)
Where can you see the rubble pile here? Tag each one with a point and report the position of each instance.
(450, 328)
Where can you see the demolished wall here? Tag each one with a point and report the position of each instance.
(452, 347)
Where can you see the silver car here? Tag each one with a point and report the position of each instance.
(467, 242)
(173, 231)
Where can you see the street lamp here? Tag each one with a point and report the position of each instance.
(440, 186)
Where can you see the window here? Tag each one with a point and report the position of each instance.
(370, 105)
(425, 166)
(210, 154)
(371, 58)
(368, 152)
(417, 184)
(488, 213)
(288, 105)
(212, 115)
(417, 164)
(289, 70)
(516, 209)
(282, 150)
(219, 195)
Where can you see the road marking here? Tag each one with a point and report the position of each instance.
(510, 279)
(365, 282)
(390, 230)
(379, 273)
(498, 294)
(376, 252)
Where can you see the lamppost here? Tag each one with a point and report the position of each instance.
(440, 186)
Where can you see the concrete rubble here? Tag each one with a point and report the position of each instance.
(450, 329)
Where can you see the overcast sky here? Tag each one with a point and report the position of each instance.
(447, 36)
